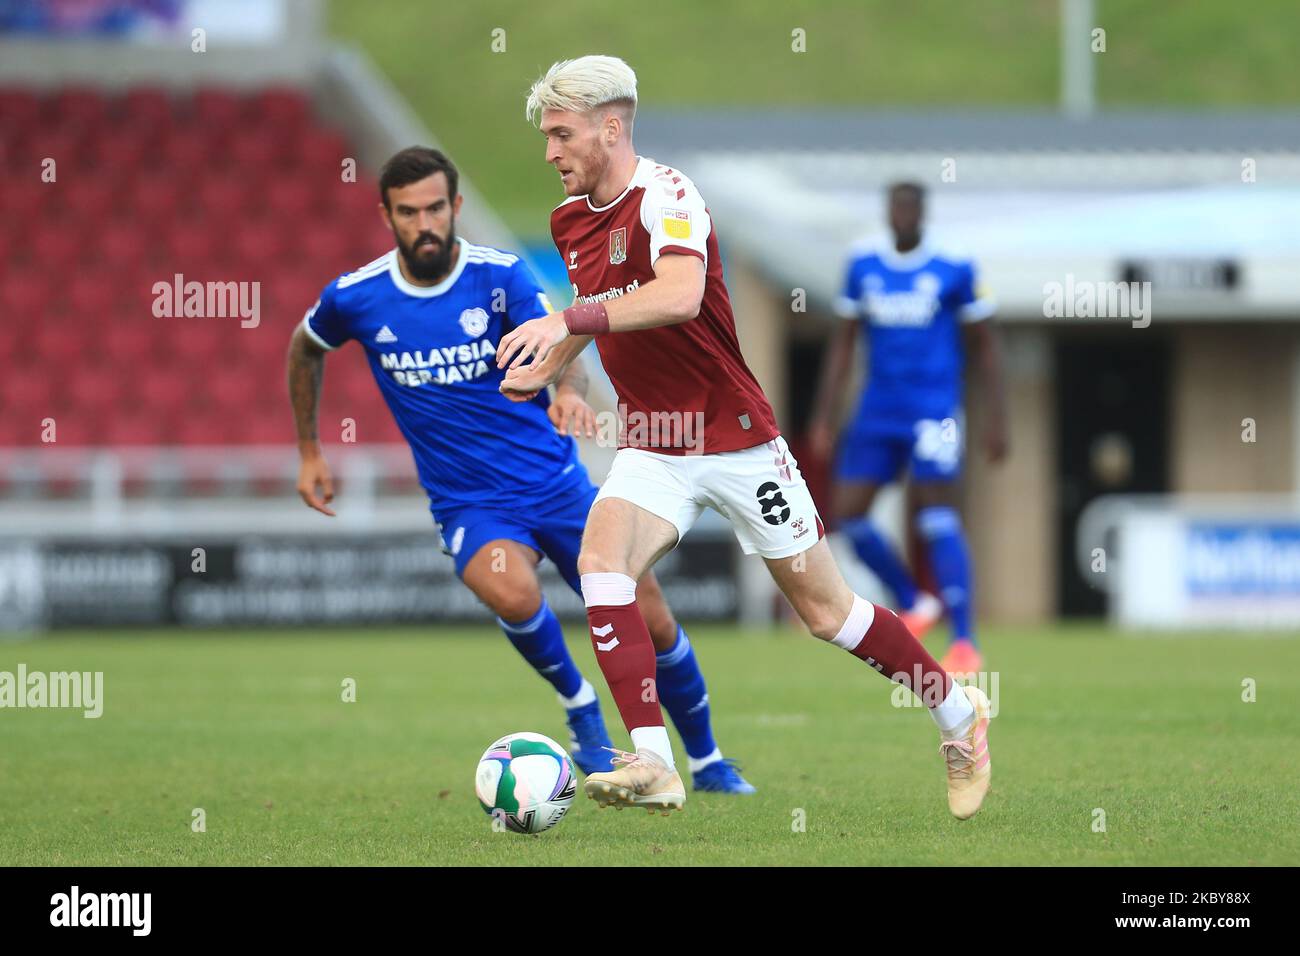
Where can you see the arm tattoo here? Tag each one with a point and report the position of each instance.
(574, 377)
(306, 371)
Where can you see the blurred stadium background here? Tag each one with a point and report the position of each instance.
(237, 142)
(148, 519)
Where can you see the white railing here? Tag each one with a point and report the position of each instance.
(54, 490)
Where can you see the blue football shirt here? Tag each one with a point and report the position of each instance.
(912, 306)
(433, 353)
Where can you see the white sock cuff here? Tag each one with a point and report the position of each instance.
(699, 763)
(654, 739)
(856, 626)
(938, 521)
(956, 714)
(585, 695)
(608, 588)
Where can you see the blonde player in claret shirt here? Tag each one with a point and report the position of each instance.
(647, 280)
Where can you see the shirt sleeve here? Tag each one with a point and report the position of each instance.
(974, 304)
(324, 323)
(673, 212)
(524, 297)
(846, 303)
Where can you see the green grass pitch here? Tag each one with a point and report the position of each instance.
(252, 729)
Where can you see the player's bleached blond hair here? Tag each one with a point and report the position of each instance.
(582, 85)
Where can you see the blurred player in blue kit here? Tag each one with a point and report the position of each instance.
(923, 315)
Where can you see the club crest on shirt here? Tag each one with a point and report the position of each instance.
(474, 322)
(618, 246)
(926, 283)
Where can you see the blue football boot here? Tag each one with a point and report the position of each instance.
(721, 776)
(589, 742)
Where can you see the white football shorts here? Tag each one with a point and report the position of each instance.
(759, 490)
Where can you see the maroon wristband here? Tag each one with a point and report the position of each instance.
(587, 318)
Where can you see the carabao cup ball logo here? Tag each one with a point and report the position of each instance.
(474, 322)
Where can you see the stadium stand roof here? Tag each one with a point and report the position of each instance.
(970, 130)
(1034, 196)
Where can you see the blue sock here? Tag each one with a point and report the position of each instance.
(950, 559)
(684, 696)
(879, 555)
(540, 640)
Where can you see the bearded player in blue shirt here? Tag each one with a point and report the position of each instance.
(504, 481)
(923, 314)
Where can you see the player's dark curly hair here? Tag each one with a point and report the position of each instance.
(413, 164)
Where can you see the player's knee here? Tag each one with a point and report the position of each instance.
(595, 561)
(822, 625)
(516, 607)
(851, 503)
(821, 620)
(511, 600)
(662, 627)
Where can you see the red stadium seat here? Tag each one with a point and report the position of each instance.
(55, 342)
(120, 245)
(151, 203)
(291, 200)
(216, 108)
(207, 426)
(185, 150)
(60, 244)
(282, 107)
(331, 248)
(92, 387)
(253, 149)
(195, 342)
(120, 151)
(226, 197)
(132, 426)
(82, 199)
(147, 106)
(24, 295)
(23, 203)
(259, 243)
(323, 150)
(78, 107)
(126, 345)
(191, 245)
(228, 387)
(24, 391)
(21, 109)
(219, 185)
(91, 294)
(164, 387)
(72, 428)
(51, 143)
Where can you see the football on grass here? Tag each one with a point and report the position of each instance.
(526, 781)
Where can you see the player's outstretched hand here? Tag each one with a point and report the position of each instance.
(571, 415)
(522, 384)
(534, 339)
(314, 472)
